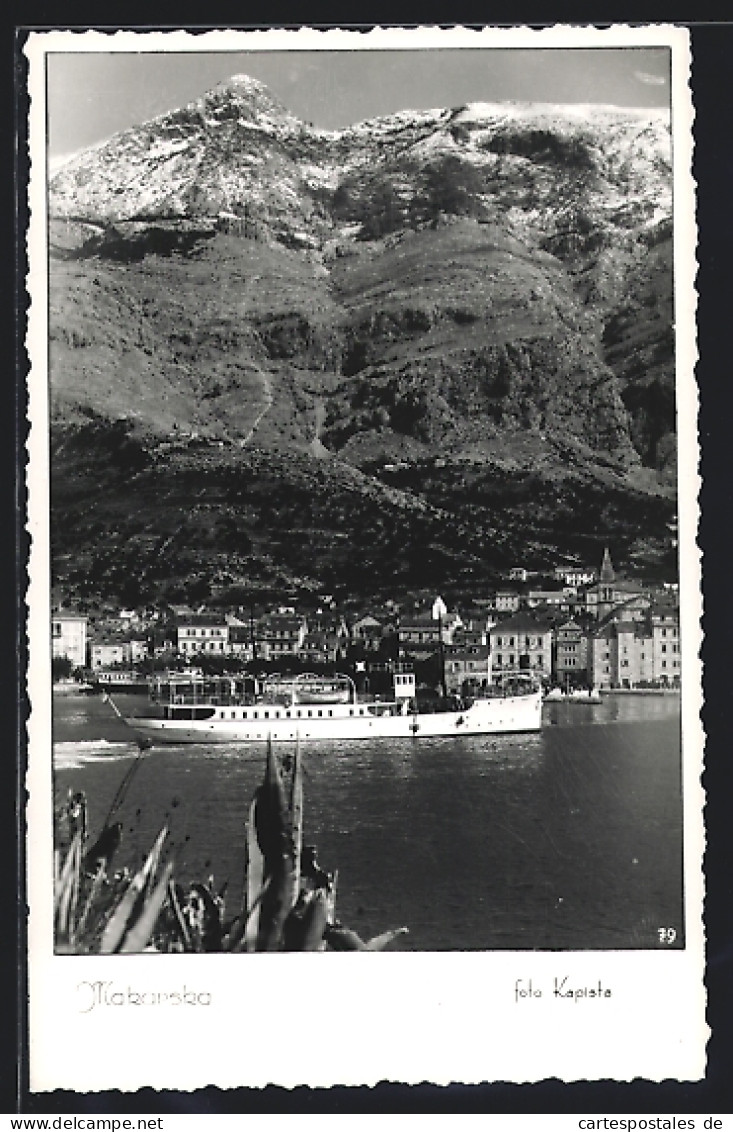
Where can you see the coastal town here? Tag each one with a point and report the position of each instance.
(578, 628)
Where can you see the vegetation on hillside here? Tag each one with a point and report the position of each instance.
(243, 339)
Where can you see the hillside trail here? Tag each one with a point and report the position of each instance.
(267, 390)
(317, 447)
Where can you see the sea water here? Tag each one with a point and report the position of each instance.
(570, 838)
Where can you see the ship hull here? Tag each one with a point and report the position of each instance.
(502, 715)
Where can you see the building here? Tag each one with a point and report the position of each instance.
(631, 653)
(635, 608)
(522, 642)
(603, 656)
(69, 638)
(506, 601)
(368, 632)
(241, 642)
(609, 591)
(571, 654)
(281, 635)
(620, 655)
(467, 670)
(416, 629)
(202, 633)
(328, 621)
(472, 635)
(106, 654)
(554, 599)
(320, 647)
(575, 576)
(139, 649)
(420, 634)
(665, 626)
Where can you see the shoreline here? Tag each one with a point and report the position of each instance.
(639, 691)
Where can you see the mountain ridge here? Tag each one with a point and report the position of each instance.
(484, 283)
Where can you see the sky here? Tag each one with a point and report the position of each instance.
(92, 96)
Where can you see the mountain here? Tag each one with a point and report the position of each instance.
(479, 294)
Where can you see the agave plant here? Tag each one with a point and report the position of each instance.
(288, 903)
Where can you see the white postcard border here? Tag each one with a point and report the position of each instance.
(360, 1019)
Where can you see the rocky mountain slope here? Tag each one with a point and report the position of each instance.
(487, 287)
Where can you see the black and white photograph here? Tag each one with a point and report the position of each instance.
(365, 609)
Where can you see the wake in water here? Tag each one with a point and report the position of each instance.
(76, 753)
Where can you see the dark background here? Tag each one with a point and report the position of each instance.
(712, 47)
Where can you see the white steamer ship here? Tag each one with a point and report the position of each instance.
(227, 709)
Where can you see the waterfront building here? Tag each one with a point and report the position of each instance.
(620, 655)
(602, 656)
(163, 642)
(472, 634)
(665, 626)
(331, 623)
(629, 652)
(571, 654)
(138, 648)
(521, 642)
(241, 642)
(282, 634)
(69, 637)
(422, 633)
(321, 648)
(467, 670)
